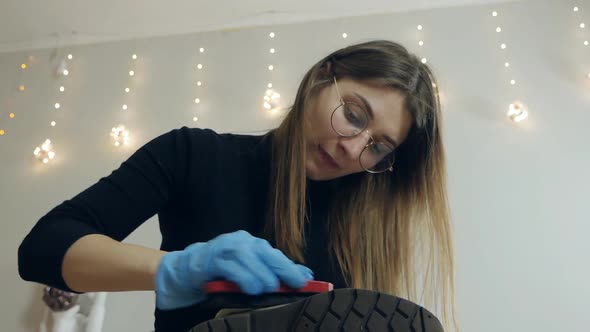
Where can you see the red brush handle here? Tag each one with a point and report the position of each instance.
(313, 286)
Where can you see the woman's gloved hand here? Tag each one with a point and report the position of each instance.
(250, 262)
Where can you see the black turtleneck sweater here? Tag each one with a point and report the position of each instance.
(200, 184)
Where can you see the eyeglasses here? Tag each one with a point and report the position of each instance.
(350, 120)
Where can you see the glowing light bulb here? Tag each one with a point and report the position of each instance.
(70, 57)
(197, 101)
(494, 13)
(585, 43)
(506, 64)
(62, 89)
(421, 43)
(199, 66)
(419, 27)
(424, 60)
(11, 115)
(272, 50)
(576, 8)
(199, 83)
(2, 132)
(271, 67)
(517, 112)
(120, 135)
(21, 88)
(269, 85)
(131, 73)
(345, 35)
(582, 25)
(53, 123)
(66, 72)
(201, 50)
(124, 107)
(45, 152)
(195, 119)
(134, 57)
(513, 82)
(498, 29)
(271, 100)
(23, 66)
(57, 106)
(127, 90)
(503, 46)
(271, 35)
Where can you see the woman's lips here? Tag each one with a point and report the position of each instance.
(327, 158)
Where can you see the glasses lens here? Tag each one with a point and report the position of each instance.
(349, 119)
(377, 157)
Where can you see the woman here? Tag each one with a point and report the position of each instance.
(351, 184)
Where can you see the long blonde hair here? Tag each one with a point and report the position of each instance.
(390, 232)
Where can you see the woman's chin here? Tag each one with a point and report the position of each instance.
(315, 173)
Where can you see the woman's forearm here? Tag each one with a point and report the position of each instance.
(97, 263)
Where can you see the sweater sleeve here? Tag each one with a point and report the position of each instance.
(114, 206)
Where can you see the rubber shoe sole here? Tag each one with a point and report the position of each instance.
(338, 310)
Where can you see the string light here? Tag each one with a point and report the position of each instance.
(70, 57)
(271, 97)
(2, 132)
(52, 123)
(197, 100)
(124, 107)
(45, 152)
(131, 73)
(21, 88)
(424, 60)
(57, 106)
(62, 89)
(23, 66)
(517, 112)
(127, 90)
(11, 115)
(419, 27)
(120, 135)
(421, 43)
(582, 26)
(66, 72)
(134, 57)
(345, 35)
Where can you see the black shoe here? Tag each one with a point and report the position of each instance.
(339, 310)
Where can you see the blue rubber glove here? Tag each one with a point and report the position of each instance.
(250, 262)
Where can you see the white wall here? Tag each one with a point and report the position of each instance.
(517, 191)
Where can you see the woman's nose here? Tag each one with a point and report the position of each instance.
(353, 146)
